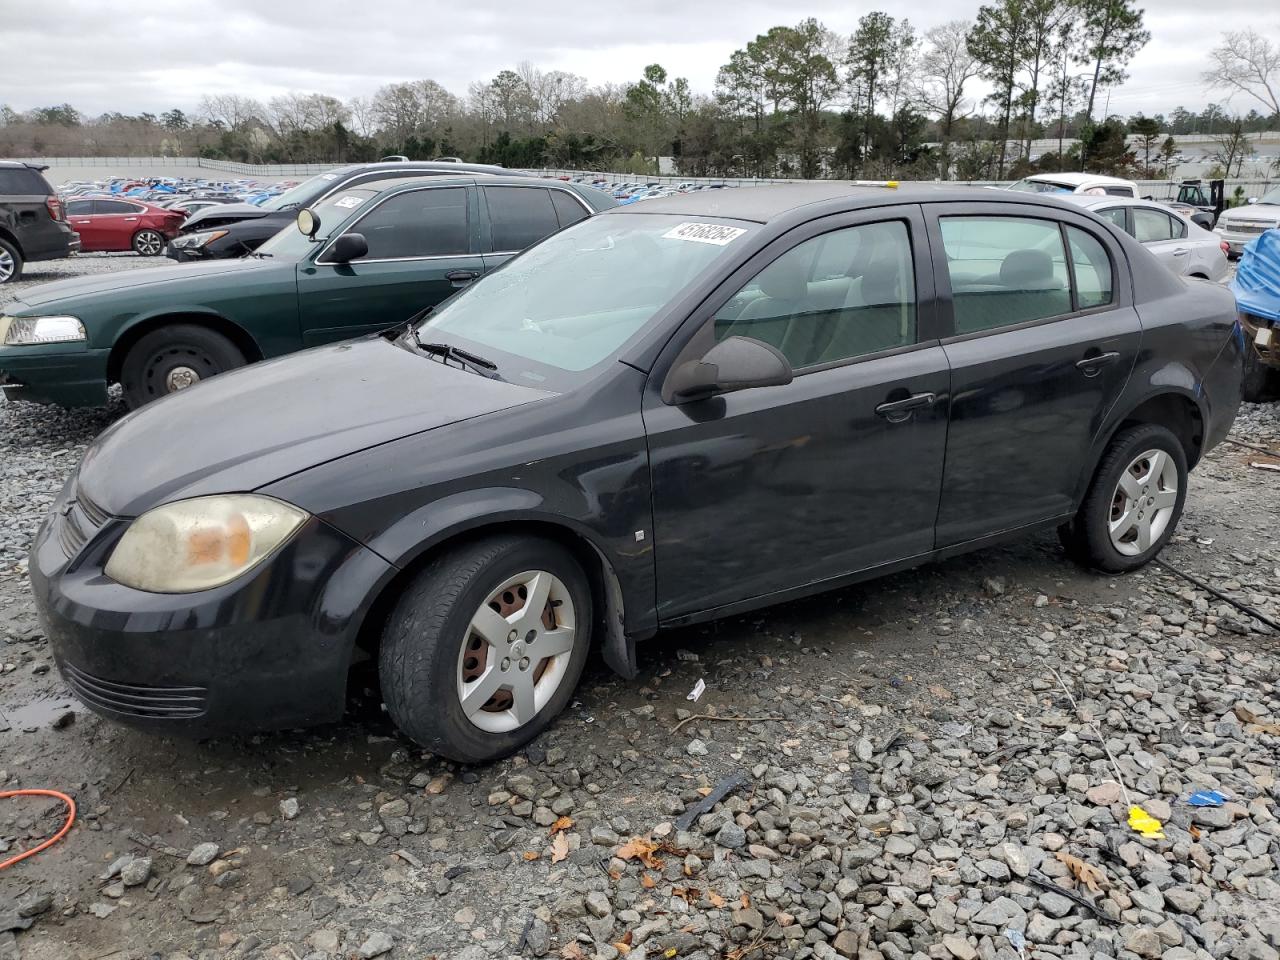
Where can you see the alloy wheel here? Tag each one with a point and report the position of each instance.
(1143, 502)
(148, 243)
(516, 651)
(7, 265)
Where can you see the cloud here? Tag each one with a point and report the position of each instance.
(129, 57)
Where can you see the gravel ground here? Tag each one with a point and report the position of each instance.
(938, 764)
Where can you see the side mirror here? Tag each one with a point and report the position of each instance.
(1252, 200)
(308, 223)
(736, 363)
(348, 247)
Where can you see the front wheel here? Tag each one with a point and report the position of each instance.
(148, 243)
(485, 647)
(10, 262)
(173, 358)
(1133, 502)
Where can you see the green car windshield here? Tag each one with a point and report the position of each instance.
(572, 301)
(303, 194)
(292, 244)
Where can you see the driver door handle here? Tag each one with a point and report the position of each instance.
(460, 278)
(896, 411)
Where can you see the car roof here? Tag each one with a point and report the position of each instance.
(1077, 178)
(447, 166)
(765, 204)
(461, 179)
(1093, 200)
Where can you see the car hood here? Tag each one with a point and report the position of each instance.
(248, 428)
(223, 211)
(1253, 213)
(103, 283)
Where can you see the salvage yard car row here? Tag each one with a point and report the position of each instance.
(662, 414)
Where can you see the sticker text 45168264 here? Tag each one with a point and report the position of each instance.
(715, 233)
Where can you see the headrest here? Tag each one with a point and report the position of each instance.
(1028, 270)
(784, 279)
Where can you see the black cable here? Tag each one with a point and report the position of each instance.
(1244, 607)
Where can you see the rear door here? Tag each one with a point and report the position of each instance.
(517, 217)
(1040, 345)
(423, 247)
(1164, 236)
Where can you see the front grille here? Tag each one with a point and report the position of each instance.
(1251, 227)
(80, 519)
(136, 699)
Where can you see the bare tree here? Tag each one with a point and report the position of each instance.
(363, 118)
(1232, 148)
(234, 113)
(1249, 63)
(946, 68)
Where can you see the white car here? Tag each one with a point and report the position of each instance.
(1088, 184)
(1239, 225)
(1184, 247)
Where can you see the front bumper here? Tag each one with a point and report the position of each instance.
(184, 254)
(68, 375)
(269, 650)
(1236, 240)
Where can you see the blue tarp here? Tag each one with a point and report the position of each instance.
(1257, 282)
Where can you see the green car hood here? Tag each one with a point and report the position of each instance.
(34, 301)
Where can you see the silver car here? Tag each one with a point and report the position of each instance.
(1187, 249)
(1239, 225)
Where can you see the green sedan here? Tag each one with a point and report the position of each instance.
(371, 257)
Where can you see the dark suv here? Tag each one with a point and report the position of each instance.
(234, 229)
(33, 222)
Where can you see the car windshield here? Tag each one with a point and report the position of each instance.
(1271, 196)
(1041, 186)
(572, 301)
(291, 244)
(304, 194)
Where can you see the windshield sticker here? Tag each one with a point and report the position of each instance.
(704, 233)
(348, 203)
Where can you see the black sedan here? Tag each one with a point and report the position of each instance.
(661, 415)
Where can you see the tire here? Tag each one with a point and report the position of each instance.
(1258, 383)
(431, 653)
(148, 243)
(10, 262)
(174, 358)
(1154, 460)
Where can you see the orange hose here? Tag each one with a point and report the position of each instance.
(71, 818)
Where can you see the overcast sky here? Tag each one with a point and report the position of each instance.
(136, 56)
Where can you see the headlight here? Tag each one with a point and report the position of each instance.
(202, 239)
(201, 543)
(25, 331)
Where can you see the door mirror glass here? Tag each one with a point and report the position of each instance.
(736, 363)
(348, 247)
(308, 222)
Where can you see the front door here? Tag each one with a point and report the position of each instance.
(422, 249)
(1041, 346)
(114, 224)
(80, 216)
(774, 488)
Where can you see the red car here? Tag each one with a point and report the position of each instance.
(106, 224)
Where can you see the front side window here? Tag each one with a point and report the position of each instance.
(113, 207)
(834, 297)
(420, 223)
(568, 208)
(1005, 271)
(1116, 216)
(520, 216)
(573, 301)
(79, 208)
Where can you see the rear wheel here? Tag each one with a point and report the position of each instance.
(173, 358)
(484, 649)
(1133, 503)
(10, 262)
(148, 243)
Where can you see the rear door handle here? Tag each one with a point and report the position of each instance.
(460, 278)
(896, 411)
(1180, 251)
(1092, 366)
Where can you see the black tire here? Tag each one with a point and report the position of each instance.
(1086, 537)
(145, 372)
(148, 243)
(419, 659)
(1259, 381)
(10, 255)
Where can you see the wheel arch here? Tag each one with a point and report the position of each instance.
(617, 647)
(124, 342)
(11, 238)
(1177, 410)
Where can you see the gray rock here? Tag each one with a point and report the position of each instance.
(375, 945)
(203, 854)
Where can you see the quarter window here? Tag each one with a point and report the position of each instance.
(568, 210)
(1004, 271)
(841, 295)
(420, 223)
(520, 216)
(1092, 269)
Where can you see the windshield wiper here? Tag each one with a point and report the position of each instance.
(447, 352)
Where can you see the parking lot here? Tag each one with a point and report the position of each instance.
(926, 765)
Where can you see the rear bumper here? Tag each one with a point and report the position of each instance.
(1221, 386)
(68, 376)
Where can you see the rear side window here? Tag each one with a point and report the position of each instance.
(1091, 267)
(1005, 271)
(568, 209)
(23, 181)
(421, 223)
(520, 216)
(1151, 226)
